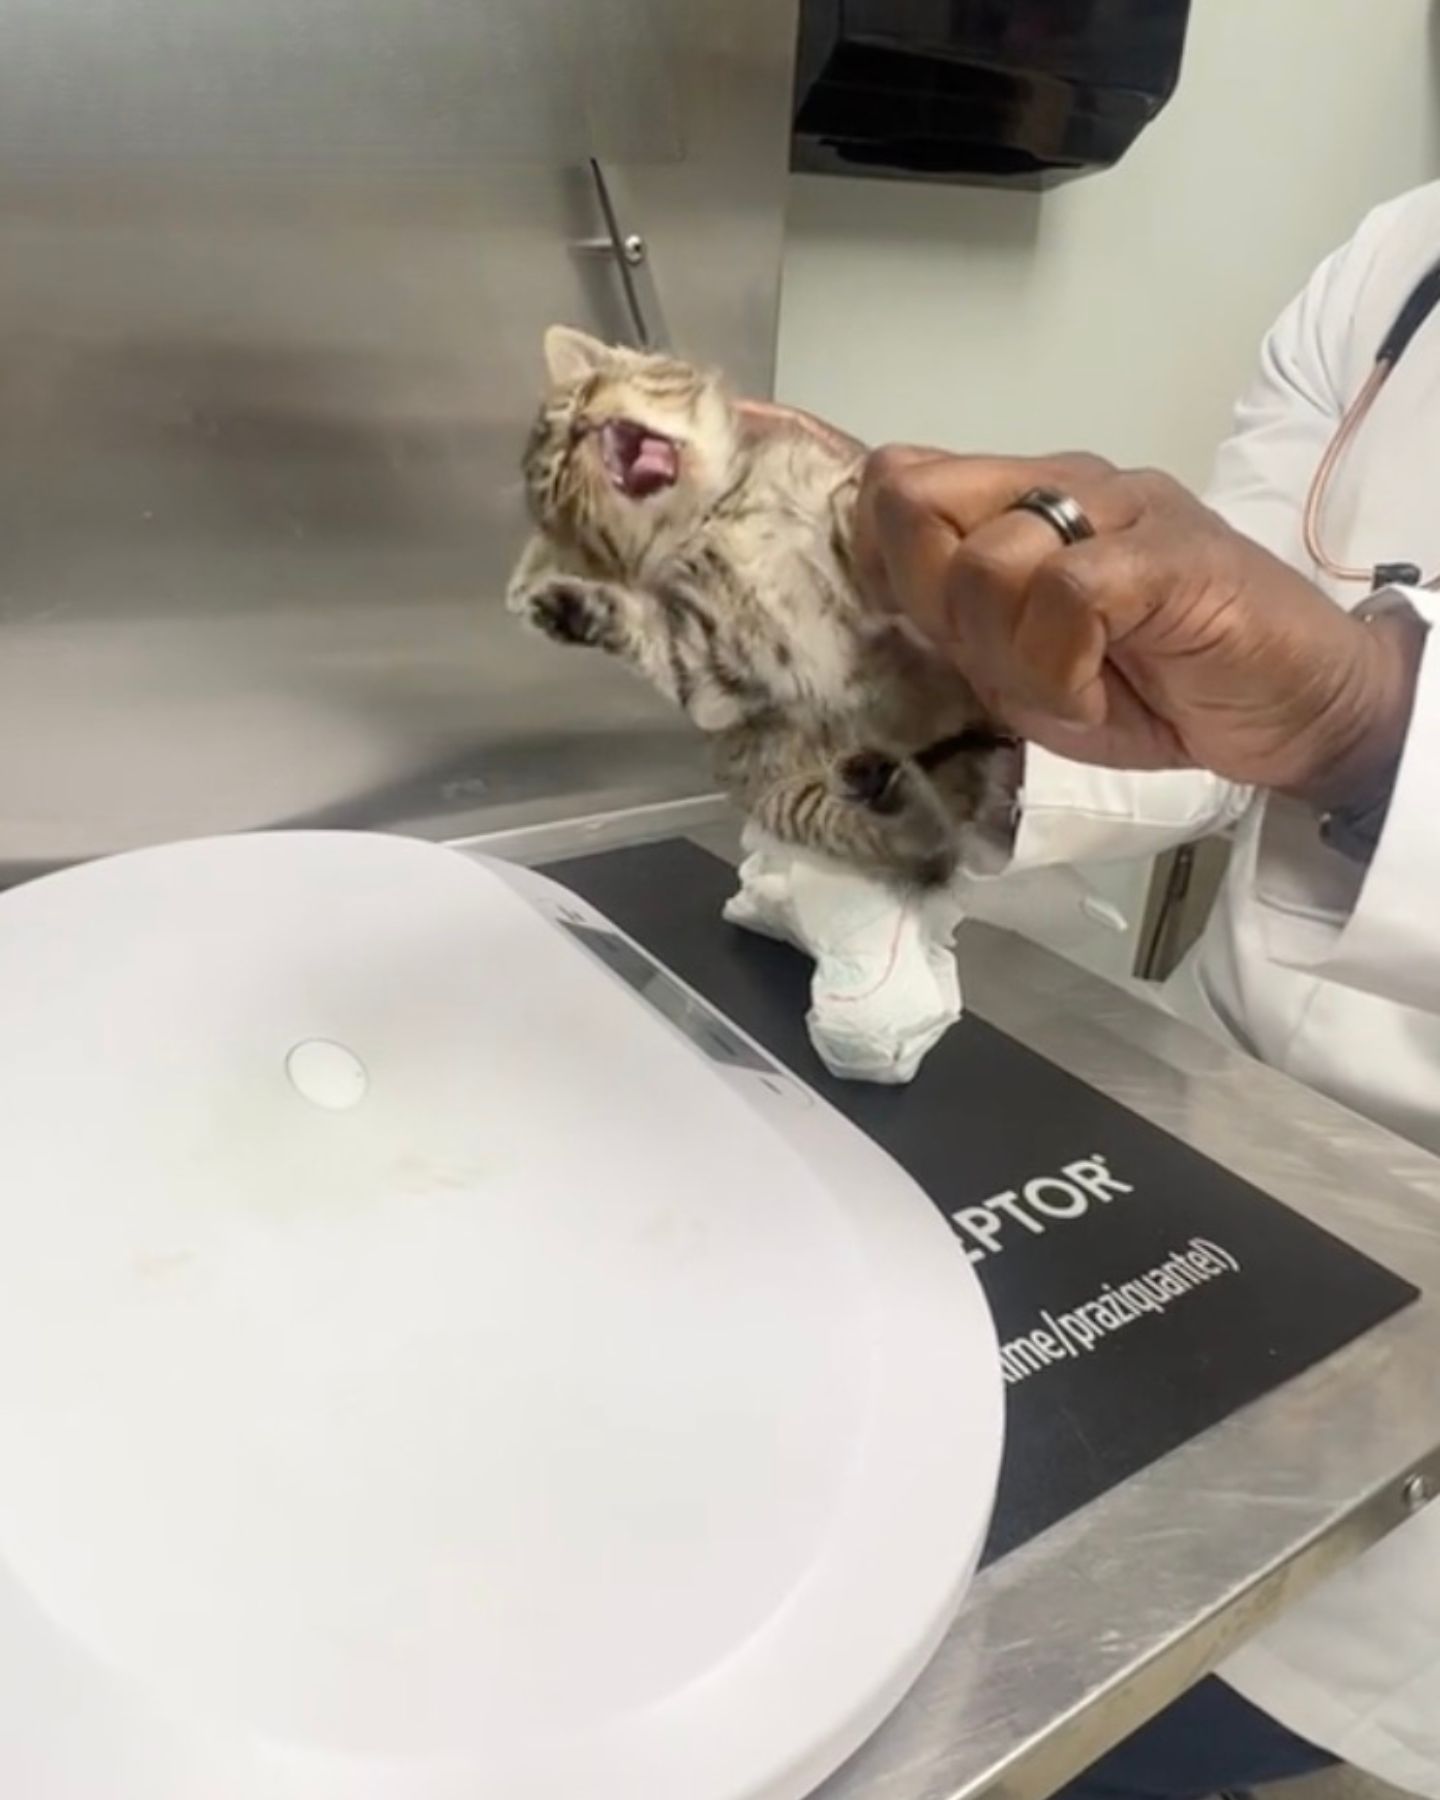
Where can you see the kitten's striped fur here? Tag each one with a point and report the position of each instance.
(716, 564)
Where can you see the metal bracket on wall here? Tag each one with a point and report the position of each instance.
(627, 248)
(1182, 892)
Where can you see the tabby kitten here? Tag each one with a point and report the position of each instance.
(715, 562)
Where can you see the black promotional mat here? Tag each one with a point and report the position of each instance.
(1141, 1293)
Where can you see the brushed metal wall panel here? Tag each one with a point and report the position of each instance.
(421, 84)
(261, 405)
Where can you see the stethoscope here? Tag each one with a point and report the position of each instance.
(1423, 300)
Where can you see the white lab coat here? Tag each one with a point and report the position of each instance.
(1331, 977)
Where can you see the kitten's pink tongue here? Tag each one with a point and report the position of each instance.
(656, 465)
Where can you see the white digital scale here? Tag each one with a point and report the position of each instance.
(442, 1359)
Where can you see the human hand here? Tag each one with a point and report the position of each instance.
(1167, 640)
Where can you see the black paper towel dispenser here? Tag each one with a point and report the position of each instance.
(1023, 92)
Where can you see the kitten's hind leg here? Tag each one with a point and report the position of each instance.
(869, 810)
(975, 778)
(895, 797)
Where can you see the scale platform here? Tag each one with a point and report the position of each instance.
(442, 1358)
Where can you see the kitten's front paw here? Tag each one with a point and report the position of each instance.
(570, 613)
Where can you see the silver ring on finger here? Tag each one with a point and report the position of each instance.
(1065, 516)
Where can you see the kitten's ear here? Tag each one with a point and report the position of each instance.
(571, 356)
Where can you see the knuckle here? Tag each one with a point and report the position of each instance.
(1153, 487)
(892, 506)
(1073, 581)
(1084, 467)
(976, 565)
(886, 469)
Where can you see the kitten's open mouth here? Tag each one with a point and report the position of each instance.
(639, 462)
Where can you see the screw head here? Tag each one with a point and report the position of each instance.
(1417, 1493)
(635, 249)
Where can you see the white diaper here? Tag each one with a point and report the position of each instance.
(886, 986)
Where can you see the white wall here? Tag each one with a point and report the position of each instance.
(1120, 313)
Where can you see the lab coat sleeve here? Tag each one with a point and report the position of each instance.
(1070, 813)
(1375, 928)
